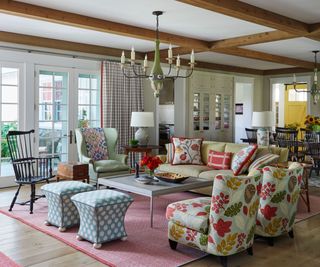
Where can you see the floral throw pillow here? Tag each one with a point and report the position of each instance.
(187, 151)
(243, 158)
(95, 142)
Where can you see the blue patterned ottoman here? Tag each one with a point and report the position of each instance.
(61, 211)
(102, 215)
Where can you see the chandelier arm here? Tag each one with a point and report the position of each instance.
(169, 71)
(132, 77)
(187, 76)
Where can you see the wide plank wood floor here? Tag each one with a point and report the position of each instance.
(29, 247)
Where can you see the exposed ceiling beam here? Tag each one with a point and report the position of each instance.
(252, 14)
(265, 56)
(252, 39)
(285, 71)
(63, 45)
(85, 22)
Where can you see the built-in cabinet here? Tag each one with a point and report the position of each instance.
(211, 106)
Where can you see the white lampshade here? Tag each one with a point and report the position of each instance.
(142, 119)
(262, 119)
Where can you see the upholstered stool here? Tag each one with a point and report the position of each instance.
(102, 215)
(61, 210)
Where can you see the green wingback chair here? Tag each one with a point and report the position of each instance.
(115, 165)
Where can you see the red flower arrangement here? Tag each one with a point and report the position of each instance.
(150, 162)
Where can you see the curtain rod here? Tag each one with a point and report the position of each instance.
(55, 53)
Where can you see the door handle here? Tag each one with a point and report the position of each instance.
(70, 135)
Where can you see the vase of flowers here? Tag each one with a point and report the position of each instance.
(151, 163)
(312, 123)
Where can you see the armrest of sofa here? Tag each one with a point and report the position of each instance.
(122, 158)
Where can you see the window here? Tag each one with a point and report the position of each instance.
(88, 100)
(9, 111)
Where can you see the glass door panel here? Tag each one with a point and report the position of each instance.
(218, 111)
(196, 112)
(226, 111)
(53, 114)
(9, 112)
(206, 112)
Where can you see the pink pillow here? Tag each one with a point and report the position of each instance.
(187, 151)
(242, 159)
(219, 160)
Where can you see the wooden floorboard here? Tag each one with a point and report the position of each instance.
(29, 247)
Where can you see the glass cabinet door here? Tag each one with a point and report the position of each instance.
(206, 112)
(226, 111)
(196, 112)
(218, 111)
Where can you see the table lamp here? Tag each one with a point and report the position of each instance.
(142, 120)
(263, 120)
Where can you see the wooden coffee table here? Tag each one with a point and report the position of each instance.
(128, 183)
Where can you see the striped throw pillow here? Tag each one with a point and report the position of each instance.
(219, 160)
(263, 161)
(170, 152)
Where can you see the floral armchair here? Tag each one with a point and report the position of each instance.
(111, 163)
(221, 225)
(278, 201)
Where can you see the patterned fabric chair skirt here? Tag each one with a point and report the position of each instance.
(61, 210)
(102, 215)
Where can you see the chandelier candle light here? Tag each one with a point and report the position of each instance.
(156, 75)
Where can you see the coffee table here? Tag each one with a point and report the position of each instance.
(128, 183)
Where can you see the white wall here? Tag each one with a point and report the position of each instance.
(244, 95)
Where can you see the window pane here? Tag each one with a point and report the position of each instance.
(94, 83)
(84, 97)
(84, 83)
(61, 96)
(83, 112)
(61, 112)
(45, 112)
(9, 112)
(94, 113)
(10, 76)
(60, 128)
(10, 94)
(59, 81)
(94, 98)
(45, 129)
(45, 95)
(45, 80)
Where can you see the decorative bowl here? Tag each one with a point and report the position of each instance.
(171, 177)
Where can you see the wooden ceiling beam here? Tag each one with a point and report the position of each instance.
(63, 45)
(285, 71)
(252, 14)
(265, 57)
(258, 38)
(85, 22)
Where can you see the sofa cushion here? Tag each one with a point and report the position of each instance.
(110, 166)
(219, 160)
(187, 151)
(234, 148)
(209, 175)
(189, 170)
(191, 213)
(209, 145)
(263, 161)
(242, 159)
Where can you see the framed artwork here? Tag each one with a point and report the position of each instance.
(239, 108)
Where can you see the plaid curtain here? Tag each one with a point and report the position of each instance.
(120, 96)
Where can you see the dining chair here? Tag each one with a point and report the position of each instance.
(288, 138)
(314, 153)
(251, 135)
(29, 170)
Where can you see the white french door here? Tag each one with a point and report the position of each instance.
(65, 99)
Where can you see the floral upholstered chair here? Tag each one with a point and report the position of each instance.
(279, 196)
(221, 225)
(97, 146)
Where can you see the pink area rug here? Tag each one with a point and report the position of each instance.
(5, 261)
(145, 246)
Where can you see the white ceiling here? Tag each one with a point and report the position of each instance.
(179, 18)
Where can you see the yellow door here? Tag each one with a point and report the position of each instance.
(295, 106)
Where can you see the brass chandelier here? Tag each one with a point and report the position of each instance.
(315, 89)
(156, 75)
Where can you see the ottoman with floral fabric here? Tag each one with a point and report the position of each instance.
(61, 211)
(102, 215)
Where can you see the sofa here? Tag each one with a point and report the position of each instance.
(205, 172)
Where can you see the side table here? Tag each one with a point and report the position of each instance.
(146, 150)
(73, 171)
(307, 167)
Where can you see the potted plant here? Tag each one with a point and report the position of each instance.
(134, 142)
